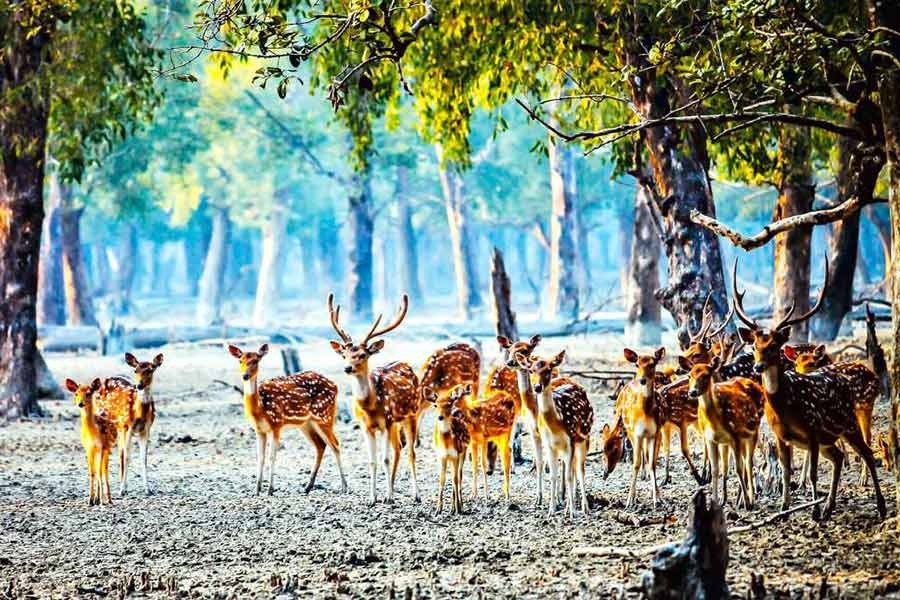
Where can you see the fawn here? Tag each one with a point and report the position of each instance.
(307, 401)
(145, 409)
(386, 400)
(566, 418)
(446, 368)
(527, 397)
(637, 402)
(98, 436)
(118, 398)
(490, 420)
(729, 414)
(810, 410)
(451, 440)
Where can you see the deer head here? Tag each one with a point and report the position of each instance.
(613, 444)
(143, 370)
(808, 361)
(646, 365)
(83, 393)
(702, 377)
(520, 347)
(541, 369)
(767, 343)
(357, 355)
(249, 360)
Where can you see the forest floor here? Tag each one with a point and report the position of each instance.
(202, 532)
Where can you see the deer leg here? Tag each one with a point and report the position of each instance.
(411, 434)
(473, 453)
(319, 445)
(741, 475)
(637, 457)
(813, 453)
(505, 451)
(104, 474)
(442, 476)
(580, 459)
(749, 450)
(554, 482)
(538, 462)
(372, 445)
(865, 425)
(713, 453)
(723, 460)
(327, 434)
(144, 445)
(394, 439)
(273, 454)
(458, 473)
(654, 454)
(686, 452)
(667, 446)
(836, 457)
(125, 445)
(784, 456)
(484, 468)
(569, 469)
(261, 440)
(93, 474)
(859, 445)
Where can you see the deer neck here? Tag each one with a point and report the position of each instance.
(645, 393)
(251, 395)
(708, 400)
(546, 406)
(770, 379)
(363, 390)
(89, 420)
(525, 389)
(147, 395)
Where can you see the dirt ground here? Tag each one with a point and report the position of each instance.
(202, 532)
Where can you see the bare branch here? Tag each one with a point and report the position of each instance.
(817, 217)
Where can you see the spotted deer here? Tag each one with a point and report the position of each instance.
(448, 367)
(145, 409)
(98, 436)
(728, 414)
(490, 420)
(451, 441)
(306, 401)
(385, 399)
(566, 417)
(812, 410)
(528, 398)
(118, 398)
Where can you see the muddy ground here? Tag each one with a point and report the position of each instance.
(202, 533)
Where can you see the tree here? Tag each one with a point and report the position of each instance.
(643, 324)
(62, 63)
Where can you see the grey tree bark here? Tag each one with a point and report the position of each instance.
(406, 238)
(643, 325)
(79, 304)
(563, 288)
(271, 267)
(127, 267)
(51, 308)
(361, 224)
(212, 281)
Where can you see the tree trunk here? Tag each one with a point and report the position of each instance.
(627, 225)
(563, 289)
(271, 267)
(196, 245)
(79, 306)
(51, 308)
(858, 168)
(467, 295)
(406, 239)
(312, 275)
(127, 257)
(359, 263)
(329, 243)
(210, 290)
(679, 163)
(643, 326)
(504, 317)
(796, 192)
(881, 219)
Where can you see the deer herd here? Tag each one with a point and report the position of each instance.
(797, 396)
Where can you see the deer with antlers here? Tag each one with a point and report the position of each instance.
(566, 418)
(306, 401)
(385, 399)
(812, 410)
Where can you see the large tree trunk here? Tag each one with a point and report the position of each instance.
(643, 326)
(627, 225)
(23, 137)
(467, 295)
(504, 316)
(858, 168)
(51, 308)
(680, 184)
(329, 244)
(210, 290)
(881, 219)
(79, 306)
(271, 266)
(127, 258)
(196, 245)
(796, 192)
(359, 262)
(406, 238)
(312, 275)
(563, 289)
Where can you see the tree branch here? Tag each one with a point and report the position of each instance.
(816, 217)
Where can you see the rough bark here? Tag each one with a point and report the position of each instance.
(643, 326)
(79, 306)
(881, 219)
(858, 168)
(359, 261)
(796, 192)
(127, 259)
(23, 137)
(563, 288)
(406, 238)
(680, 184)
(467, 295)
(504, 317)
(47, 385)
(51, 307)
(626, 220)
(212, 281)
(271, 266)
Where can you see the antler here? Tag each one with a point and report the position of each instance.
(739, 300)
(374, 332)
(787, 321)
(724, 324)
(335, 315)
(704, 323)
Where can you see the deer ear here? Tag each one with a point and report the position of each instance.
(534, 341)
(522, 360)
(131, 360)
(503, 341)
(158, 360)
(71, 386)
(235, 351)
(336, 346)
(819, 351)
(429, 395)
(263, 350)
(605, 430)
(746, 334)
(660, 353)
(715, 363)
(684, 363)
(468, 388)
(630, 355)
(790, 352)
(375, 347)
(783, 334)
(95, 385)
(558, 359)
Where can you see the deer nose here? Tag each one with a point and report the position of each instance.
(759, 367)
(141, 385)
(538, 388)
(246, 376)
(693, 393)
(643, 381)
(348, 369)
